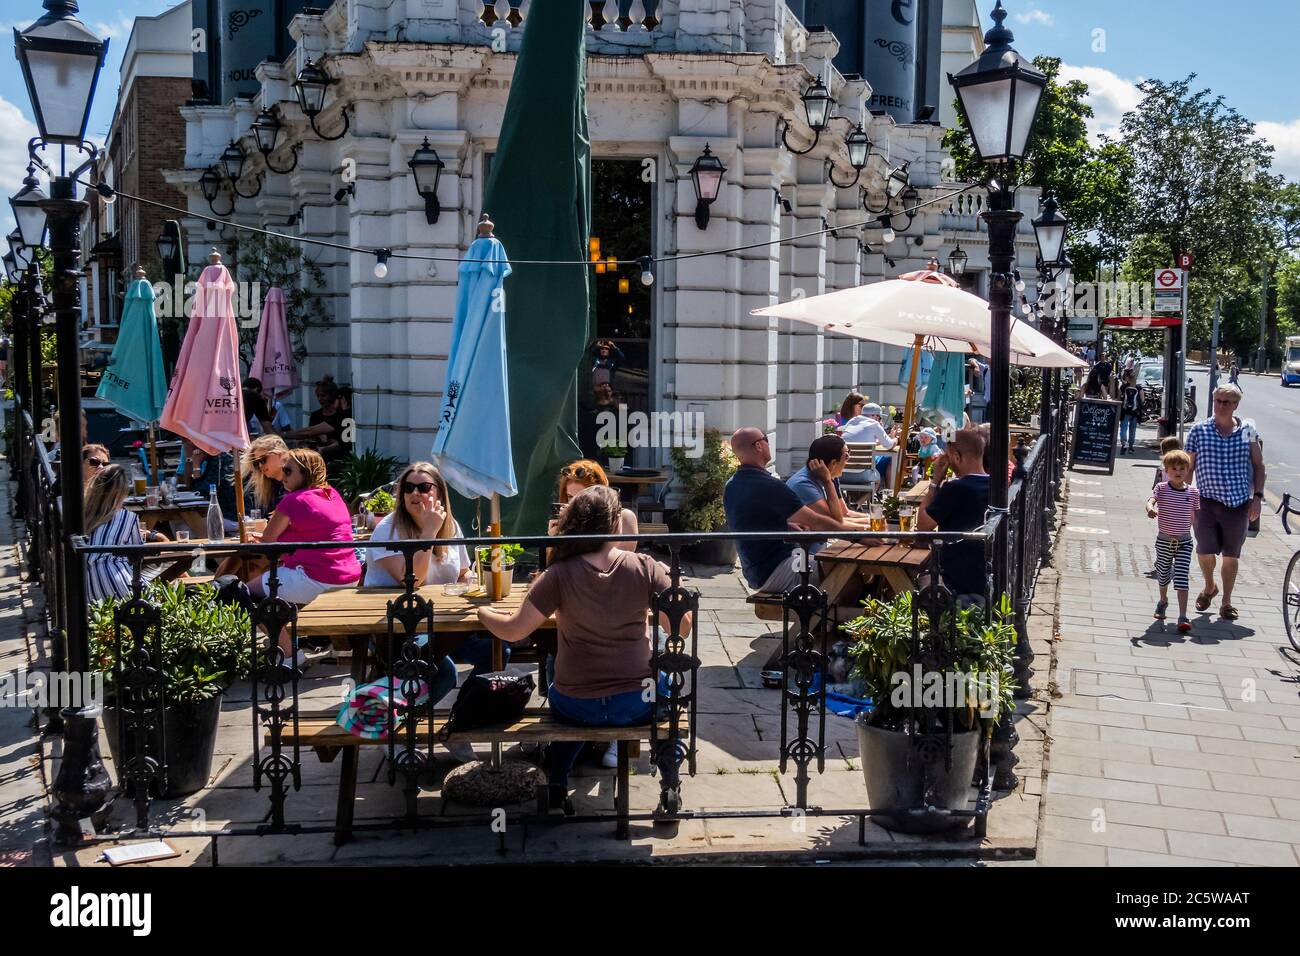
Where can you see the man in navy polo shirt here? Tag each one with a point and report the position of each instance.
(756, 500)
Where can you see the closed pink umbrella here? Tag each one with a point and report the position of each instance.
(273, 357)
(206, 402)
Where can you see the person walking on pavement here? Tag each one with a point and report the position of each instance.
(1130, 410)
(1234, 373)
(1227, 461)
(1174, 503)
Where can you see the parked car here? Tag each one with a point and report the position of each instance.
(1151, 377)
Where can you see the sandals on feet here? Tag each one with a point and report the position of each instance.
(1184, 625)
(1161, 607)
(1205, 597)
(1228, 612)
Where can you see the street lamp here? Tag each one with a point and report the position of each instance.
(957, 261)
(999, 96)
(11, 268)
(858, 146)
(60, 60)
(210, 186)
(706, 176)
(310, 86)
(22, 253)
(426, 166)
(1049, 231)
(28, 212)
(817, 110)
(266, 128)
(232, 161)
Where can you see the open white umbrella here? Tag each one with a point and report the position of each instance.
(924, 309)
(898, 311)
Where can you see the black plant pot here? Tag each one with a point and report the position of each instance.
(716, 552)
(191, 737)
(896, 776)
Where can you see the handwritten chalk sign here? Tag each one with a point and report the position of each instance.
(1096, 423)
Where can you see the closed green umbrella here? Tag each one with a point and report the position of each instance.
(539, 195)
(134, 382)
(946, 391)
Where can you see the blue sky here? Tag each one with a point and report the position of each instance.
(1246, 51)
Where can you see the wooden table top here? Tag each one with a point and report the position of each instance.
(620, 479)
(914, 494)
(365, 610)
(908, 554)
(138, 506)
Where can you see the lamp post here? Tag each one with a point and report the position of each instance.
(957, 261)
(426, 166)
(999, 95)
(60, 60)
(706, 176)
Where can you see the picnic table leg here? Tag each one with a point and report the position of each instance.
(198, 524)
(622, 785)
(351, 755)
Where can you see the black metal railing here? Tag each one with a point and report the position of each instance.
(139, 698)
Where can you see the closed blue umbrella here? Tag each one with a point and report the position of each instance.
(946, 392)
(472, 446)
(135, 382)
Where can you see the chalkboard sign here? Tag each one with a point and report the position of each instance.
(1096, 423)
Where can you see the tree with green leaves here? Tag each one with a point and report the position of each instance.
(1201, 184)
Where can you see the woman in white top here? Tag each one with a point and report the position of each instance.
(422, 512)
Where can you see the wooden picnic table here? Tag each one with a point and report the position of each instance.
(848, 567)
(916, 493)
(363, 612)
(638, 481)
(193, 514)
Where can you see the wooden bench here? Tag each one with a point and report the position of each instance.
(321, 733)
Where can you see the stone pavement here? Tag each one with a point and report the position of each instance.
(1167, 749)
(22, 799)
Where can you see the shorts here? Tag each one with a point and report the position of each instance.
(297, 588)
(1220, 529)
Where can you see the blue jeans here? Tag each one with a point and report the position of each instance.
(1128, 425)
(617, 710)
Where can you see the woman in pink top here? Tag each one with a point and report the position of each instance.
(310, 511)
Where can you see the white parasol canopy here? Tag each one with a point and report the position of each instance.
(897, 311)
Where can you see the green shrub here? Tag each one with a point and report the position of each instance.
(703, 480)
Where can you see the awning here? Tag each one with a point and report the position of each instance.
(1143, 321)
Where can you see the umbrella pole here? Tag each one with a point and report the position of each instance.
(153, 456)
(239, 496)
(909, 409)
(498, 654)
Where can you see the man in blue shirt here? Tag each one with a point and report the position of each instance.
(756, 500)
(818, 483)
(1228, 464)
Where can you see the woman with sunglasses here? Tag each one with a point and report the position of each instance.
(93, 458)
(109, 523)
(264, 464)
(577, 478)
(310, 511)
(423, 513)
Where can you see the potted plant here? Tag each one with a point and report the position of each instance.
(615, 455)
(510, 554)
(703, 479)
(204, 651)
(359, 474)
(380, 504)
(971, 692)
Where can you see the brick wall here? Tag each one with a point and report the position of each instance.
(152, 139)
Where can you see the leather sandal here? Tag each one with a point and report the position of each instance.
(1228, 612)
(1205, 597)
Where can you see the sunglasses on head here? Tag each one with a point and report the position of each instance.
(423, 487)
(582, 472)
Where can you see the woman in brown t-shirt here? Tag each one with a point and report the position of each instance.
(601, 597)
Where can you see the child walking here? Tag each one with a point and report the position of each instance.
(1173, 503)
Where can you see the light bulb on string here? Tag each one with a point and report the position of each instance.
(647, 270)
(381, 263)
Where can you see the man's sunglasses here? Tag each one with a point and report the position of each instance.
(423, 487)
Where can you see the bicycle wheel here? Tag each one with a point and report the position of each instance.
(1291, 601)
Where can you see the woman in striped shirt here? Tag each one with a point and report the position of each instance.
(109, 523)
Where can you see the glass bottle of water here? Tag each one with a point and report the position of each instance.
(216, 522)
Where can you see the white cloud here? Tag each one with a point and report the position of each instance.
(13, 157)
(117, 29)
(1109, 94)
(1041, 17)
(1285, 138)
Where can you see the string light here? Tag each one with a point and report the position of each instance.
(381, 263)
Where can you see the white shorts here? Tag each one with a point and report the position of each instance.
(297, 588)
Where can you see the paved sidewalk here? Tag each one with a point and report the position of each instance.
(1164, 748)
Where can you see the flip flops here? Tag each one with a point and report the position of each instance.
(1205, 597)
(1161, 607)
(1228, 612)
(1184, 625)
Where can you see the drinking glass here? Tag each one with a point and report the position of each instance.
(151, 496)
(877, 518)
(183, 535)
(907, 519)
(138, 485)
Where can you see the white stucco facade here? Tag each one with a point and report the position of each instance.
(727, 73)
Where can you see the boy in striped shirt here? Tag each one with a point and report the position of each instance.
(1173, 503)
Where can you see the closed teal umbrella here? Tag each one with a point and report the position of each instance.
(946, 391)
(134, 382)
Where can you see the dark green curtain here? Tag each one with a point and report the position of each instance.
(539, 196)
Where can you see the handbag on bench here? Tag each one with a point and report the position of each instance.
(488, 699)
